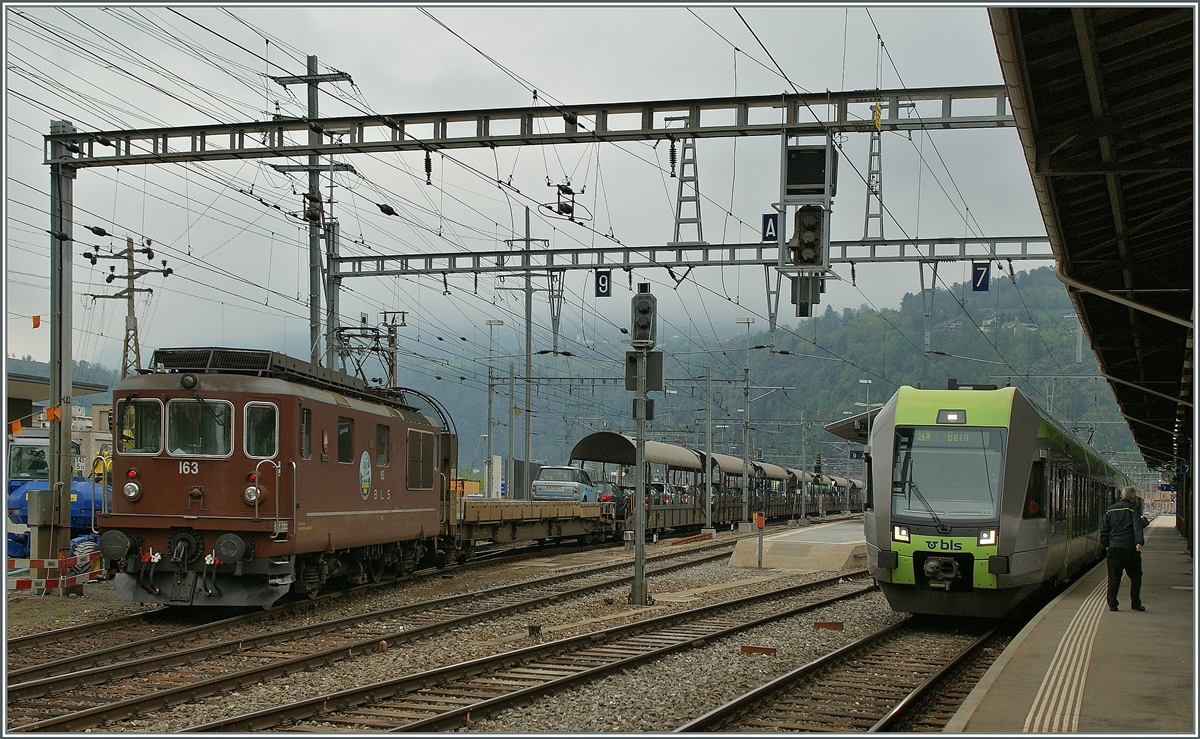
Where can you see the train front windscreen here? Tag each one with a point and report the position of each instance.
(947, 473)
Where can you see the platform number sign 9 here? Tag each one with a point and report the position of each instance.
(604, 283)
(980, 273)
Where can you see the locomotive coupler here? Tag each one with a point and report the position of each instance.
(940, 571)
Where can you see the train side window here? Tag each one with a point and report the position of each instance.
(262, 430)
(139, 427)
(382, 443)
(422, 453)
(305, 433)
(345, 439)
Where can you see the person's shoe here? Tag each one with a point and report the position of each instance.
(1139, 608)
(1113, 608)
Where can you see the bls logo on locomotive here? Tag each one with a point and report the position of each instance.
(944, 545)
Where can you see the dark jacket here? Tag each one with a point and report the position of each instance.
(1122, 526)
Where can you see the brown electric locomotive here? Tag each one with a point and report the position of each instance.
(243, 475)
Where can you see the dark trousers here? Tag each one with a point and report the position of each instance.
(1120, 561)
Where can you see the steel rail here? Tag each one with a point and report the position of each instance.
(135, 704)
(63, 681)
(723, 712)
(17, 643)
(107, 655)
(722, 716)
(357, 696)
(889, 719)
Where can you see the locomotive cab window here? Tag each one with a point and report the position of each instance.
(200, 427)
(383, 446)
(947, 473)
(422, 456)
(262, 430)
(139, 427)
(345, 439)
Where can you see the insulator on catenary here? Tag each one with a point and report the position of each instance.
(672, 157)
(428, 169)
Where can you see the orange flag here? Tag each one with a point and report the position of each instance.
(16, 427)
(37, 321)
(54, 413)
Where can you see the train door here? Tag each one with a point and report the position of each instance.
(275, 472)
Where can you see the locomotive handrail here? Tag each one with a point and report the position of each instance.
(445, 496)
(295, 469)
(105, 465)
(278, 470)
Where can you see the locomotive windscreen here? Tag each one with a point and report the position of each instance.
(947, 473)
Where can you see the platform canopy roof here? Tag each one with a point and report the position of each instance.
(1103, 99)
(853, 427)
(613, 448)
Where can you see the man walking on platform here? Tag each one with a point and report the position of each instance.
(1121, 532)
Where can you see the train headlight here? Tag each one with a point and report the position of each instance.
(900, 533)
(251, 495)
(132, 491)
(987, 538)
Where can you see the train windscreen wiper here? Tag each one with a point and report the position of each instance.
(941, 527)
(210, 411)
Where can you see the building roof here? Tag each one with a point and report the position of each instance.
(34, 387)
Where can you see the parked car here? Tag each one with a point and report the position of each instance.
(564, 483)
(610, 492)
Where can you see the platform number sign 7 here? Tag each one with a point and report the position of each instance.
(604, 283)
(980, 273)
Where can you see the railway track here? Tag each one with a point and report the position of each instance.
(69, 649)
(445, 698)
(85, 698)
(873, 684)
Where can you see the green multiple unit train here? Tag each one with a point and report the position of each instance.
(989, 500)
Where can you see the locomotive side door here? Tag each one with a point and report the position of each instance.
(275, 472)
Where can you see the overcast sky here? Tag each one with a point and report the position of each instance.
(240, 267)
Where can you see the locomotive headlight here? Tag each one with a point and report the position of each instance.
(987, 538)
(251, 495)
(132, 491)
(900, 533)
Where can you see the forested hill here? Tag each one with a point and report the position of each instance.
(1025, 335)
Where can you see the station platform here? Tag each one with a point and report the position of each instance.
(820, 547)
(1079, 667)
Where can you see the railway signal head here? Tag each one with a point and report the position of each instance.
(644, 317)
(808, 243)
